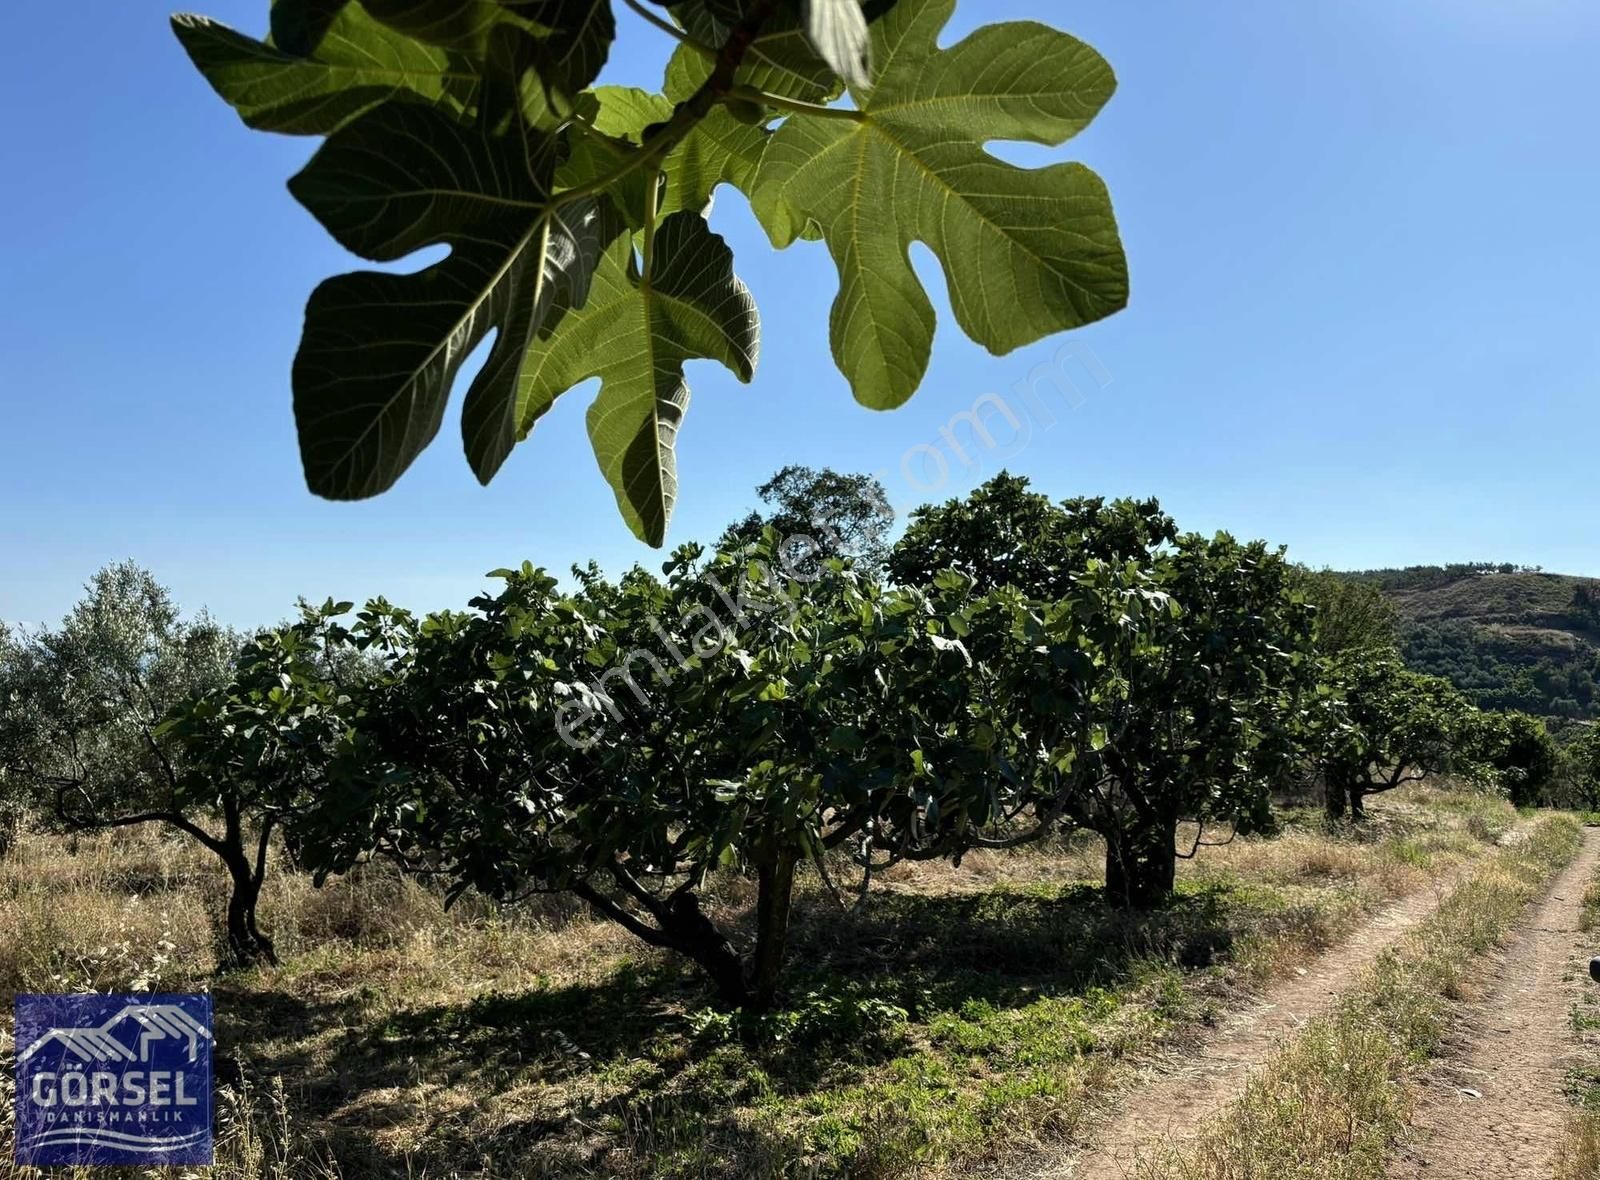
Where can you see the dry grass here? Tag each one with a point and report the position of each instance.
(1578, 1156)
(1330, 1103)
(964, 1013)
(1590, 916)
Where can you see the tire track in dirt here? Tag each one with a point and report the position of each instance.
(1510, 1046)
(1171, 1103)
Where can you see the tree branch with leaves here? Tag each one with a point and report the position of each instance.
(576, 214)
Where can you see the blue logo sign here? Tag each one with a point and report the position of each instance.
(113, 1079)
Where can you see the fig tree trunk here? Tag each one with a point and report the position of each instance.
(702, 942)
(1358, 803)
(1141, 864)
(247, 945)
(775, 890)
(677, 923)
(1336, 798)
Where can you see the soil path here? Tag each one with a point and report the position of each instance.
(1171, 1103)
(1494, 1107)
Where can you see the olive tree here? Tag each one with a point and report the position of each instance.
(576, 214)
(1352, 614)
(14, 799)
(129, 714)
(84, 703)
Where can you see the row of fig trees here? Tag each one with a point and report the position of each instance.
(1011, 669)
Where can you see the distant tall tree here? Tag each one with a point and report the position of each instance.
(81, 705)
(847, 515)
(1352, 615)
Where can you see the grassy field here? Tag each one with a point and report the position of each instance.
(961, 1019)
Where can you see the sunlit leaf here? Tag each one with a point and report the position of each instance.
(356, 64)
(1026, 252)
(635, 335)
(719, 150)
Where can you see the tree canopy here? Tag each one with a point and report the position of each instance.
(624, 742)
(842, 514)
(1195, 678)
(1352, 613)
(129, 714)
(86, 700)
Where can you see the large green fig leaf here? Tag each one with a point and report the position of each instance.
(380, 351)
(1026, 252)
(355, 63)
(635, 333)
(719, 150)
(329, 60)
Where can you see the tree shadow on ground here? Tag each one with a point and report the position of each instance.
(1007, 946)
(616, 1050)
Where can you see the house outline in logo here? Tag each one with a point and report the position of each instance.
(155, 1022)
(111, 1078)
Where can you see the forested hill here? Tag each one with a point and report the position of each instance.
(1516, 638)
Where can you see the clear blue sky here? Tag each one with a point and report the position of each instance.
(1364, 250)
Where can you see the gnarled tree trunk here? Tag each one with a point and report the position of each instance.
(247, 945)
(1141, 864)
(674, 923)
(677, 923)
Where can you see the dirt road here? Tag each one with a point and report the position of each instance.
(1494, 1107)
(1172, 1103)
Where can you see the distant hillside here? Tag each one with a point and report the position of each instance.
(1515, 638)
